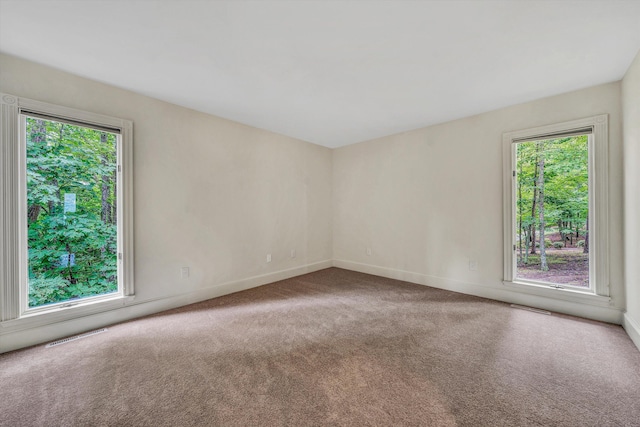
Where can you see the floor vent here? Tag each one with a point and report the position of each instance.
(77, 337)
(535, 310)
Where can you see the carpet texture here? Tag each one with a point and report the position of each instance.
(332, 348)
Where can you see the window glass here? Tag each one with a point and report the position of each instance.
(552, 211)
(71, 211)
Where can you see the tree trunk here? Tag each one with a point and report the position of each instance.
(521, 228)
(38, 136)
(106, 211)
(570, 233)
(532, 236)
(586, 239)
(70, 277)
(53, 209)
(527, 242)
(543, 254)
(533, 205)
(33, 212)
(520, 243)
(560, 228)
(114, 206)
(52, 206)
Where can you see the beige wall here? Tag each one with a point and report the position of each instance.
(429, 200)
(631, 108)
(210, 194)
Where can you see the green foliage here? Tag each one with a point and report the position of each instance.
(580, 244)
(565, 179)
(558, 245)
(551, 259)
(72, 252)
(547, 243)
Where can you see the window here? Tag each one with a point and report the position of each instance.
(555, 207)
(66, 218)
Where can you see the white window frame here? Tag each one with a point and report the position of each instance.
(14, 311)
(598, 292)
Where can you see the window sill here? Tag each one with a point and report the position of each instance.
(565, 294)
(61, 313)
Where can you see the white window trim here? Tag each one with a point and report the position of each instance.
(13, 261)
(598, 211)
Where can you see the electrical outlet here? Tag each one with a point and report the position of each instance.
(268, 257)
(473, 264)
(368, 251)
(184, 272)
(293, 253)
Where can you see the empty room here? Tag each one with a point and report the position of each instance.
(319, 213)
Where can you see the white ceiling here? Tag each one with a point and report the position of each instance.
(331, 72)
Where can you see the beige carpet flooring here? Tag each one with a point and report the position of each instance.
(332, 348)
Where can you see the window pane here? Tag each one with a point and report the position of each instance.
(552, 202)
(71, 209)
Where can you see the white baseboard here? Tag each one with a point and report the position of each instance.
(27, 337)
(37, 335)
(633, 329)
(502, 293)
